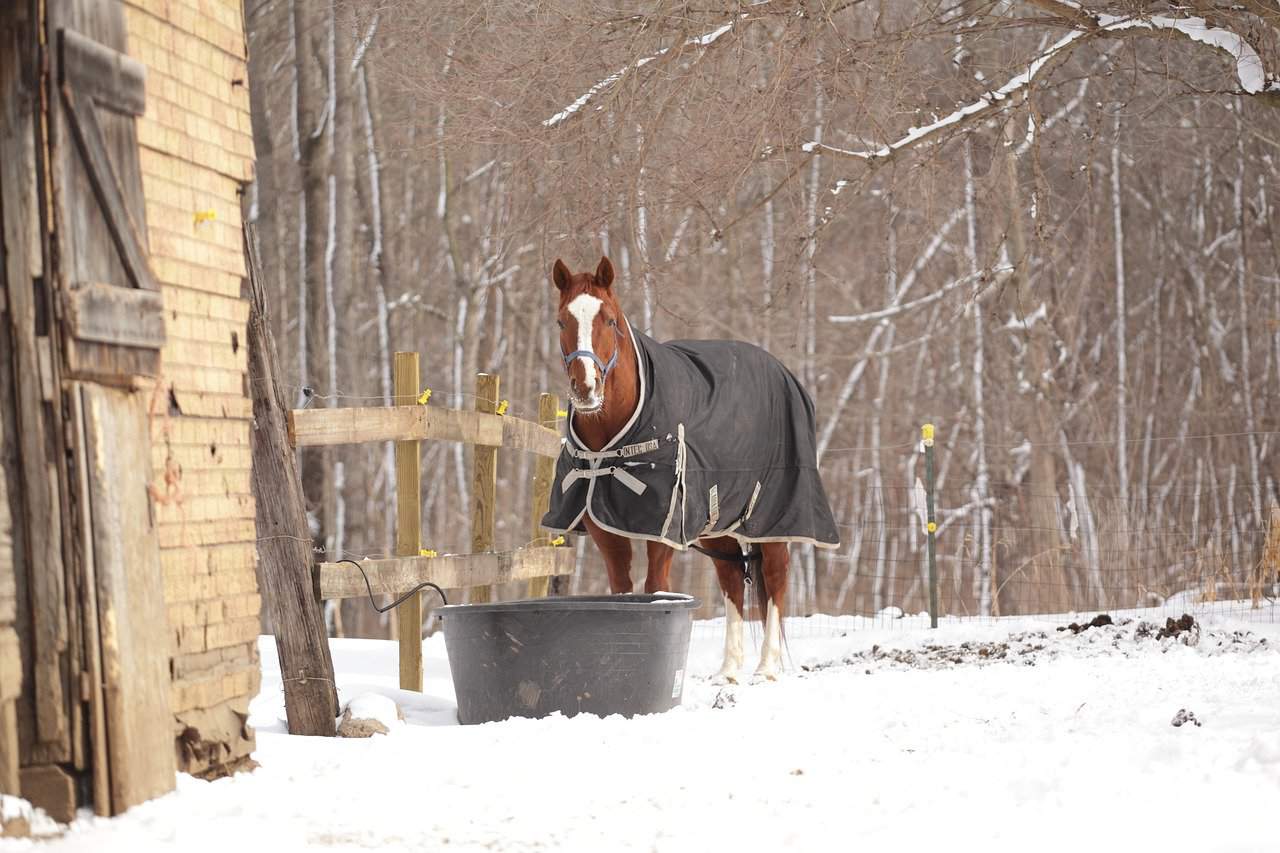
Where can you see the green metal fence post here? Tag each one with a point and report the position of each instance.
(926, 432)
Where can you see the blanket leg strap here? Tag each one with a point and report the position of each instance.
(743, 560)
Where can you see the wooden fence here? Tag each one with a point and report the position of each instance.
(408, 423)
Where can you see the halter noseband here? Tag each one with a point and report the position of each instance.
(586, 353)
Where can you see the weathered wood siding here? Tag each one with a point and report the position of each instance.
(196, 152)
(10, 662)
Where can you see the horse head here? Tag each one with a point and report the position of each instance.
(592, 331)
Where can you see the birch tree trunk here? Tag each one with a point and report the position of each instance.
(983, 581)
(382, 262)
(810, 327)
(1122, 322)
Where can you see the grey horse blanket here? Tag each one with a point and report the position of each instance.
(721, 443)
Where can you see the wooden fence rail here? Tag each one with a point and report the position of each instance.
(321, 427)
(408, 423)
(393, 575)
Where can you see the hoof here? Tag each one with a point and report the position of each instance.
(762, 675)
(725, 677)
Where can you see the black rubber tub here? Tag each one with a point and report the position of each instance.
(598, 654)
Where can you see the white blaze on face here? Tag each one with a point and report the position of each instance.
(584, 309)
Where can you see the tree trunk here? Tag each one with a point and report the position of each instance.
(1122, 370)
(983, 581)
(313, 116)
(1039, 418)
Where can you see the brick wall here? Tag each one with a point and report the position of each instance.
(196, 152)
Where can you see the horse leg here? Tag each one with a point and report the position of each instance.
(659, 577)
(775, 562)
(733, 585)
(616, 551)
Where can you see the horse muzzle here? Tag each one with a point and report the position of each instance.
(587, 404)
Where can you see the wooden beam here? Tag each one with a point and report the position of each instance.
(544, 471)
(542, 439)
(33, 470)
(284, 542)
(97, 711)
(112, 79)
(406, 380)
(484, 489)
(357, 425)
(10, 689)
(51, 788)
(115, 315)
(9, 774)
(396, 575)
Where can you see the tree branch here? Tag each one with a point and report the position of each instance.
(895, 310)
(987, 105)
(1249, 70)
(703, 40)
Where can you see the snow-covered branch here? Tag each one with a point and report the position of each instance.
(703, 40)
(894, 310)
(986, 105)
(1249, 68)
(362, 46)
(1249, 71)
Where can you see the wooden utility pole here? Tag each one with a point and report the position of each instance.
(284, 542)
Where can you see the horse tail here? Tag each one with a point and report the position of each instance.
(755, 578)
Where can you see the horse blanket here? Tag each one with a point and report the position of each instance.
(721, 443)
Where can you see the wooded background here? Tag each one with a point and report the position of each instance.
(1047, 227)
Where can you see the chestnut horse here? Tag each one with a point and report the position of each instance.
(604, 389)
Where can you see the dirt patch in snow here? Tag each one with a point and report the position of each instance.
(1100, 636)
(1099, 621)
(1185, 624)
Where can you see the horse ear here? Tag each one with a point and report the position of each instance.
(560, 275)
(604, 273)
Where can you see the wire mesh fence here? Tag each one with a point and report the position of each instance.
(1202, 551)
(1196, 530)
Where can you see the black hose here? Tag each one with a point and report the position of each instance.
(402, 599)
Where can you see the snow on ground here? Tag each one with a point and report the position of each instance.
(1007, 735)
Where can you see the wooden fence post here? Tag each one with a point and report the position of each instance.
(408, 524)
(544, 469)
(284, 543)
(485, 487)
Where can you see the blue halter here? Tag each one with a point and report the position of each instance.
(586, 353)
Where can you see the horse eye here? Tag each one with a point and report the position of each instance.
(560, 323)
(613, 322)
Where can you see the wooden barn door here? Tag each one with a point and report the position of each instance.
(88, 325)
(111, 332)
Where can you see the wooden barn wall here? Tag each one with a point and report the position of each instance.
(10, 662)
(196, 154)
